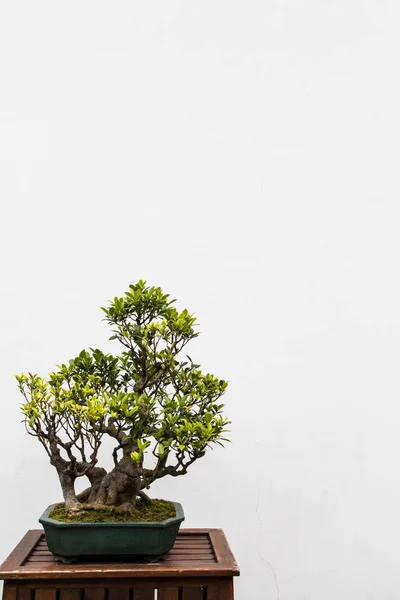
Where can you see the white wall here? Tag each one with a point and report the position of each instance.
(245, 157)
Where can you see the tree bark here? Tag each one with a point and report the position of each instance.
(119, 487)
(67, 485)
(95, 476)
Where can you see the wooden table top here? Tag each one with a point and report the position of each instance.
(204, 552)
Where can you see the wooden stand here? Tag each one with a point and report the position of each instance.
(200, 566)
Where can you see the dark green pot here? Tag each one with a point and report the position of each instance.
(149, 541)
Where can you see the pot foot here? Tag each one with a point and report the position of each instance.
(154, 559)
(67, 560)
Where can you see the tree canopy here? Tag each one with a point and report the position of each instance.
(161, 410)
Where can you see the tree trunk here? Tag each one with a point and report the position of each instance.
(119, 487)
(95, 476)
(67, 485)
(116, 490)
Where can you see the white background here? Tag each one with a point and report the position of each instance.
(245, 157)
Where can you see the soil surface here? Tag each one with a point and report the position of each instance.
(145, 512)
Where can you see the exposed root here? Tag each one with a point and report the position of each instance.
(84, 505)
(144, 496)
(80, 509)
(83, 496)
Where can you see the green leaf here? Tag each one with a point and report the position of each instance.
(160, 449)
(135, 456)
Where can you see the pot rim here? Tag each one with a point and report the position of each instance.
(179, 517)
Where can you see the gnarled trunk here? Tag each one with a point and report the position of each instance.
(119, 487)
(116, 490)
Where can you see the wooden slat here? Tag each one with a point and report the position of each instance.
(198, 557)
(70, 593)
(192, 593)
(177, 545)
(168, 593)
(203, 539)
(225, 588)
(21, 551)
(188, 551)
(143, 593)
(24, 593)
(195, 532)
(37, 558)
(9, 591)
(181, 549)
(94, 593)
(118, 593)
(212, 592)
(192, 543)
(45, 594)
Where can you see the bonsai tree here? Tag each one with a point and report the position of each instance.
(161, 412)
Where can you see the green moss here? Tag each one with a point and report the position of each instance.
(156, 510)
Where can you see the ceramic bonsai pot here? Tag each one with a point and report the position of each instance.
(148, 541)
